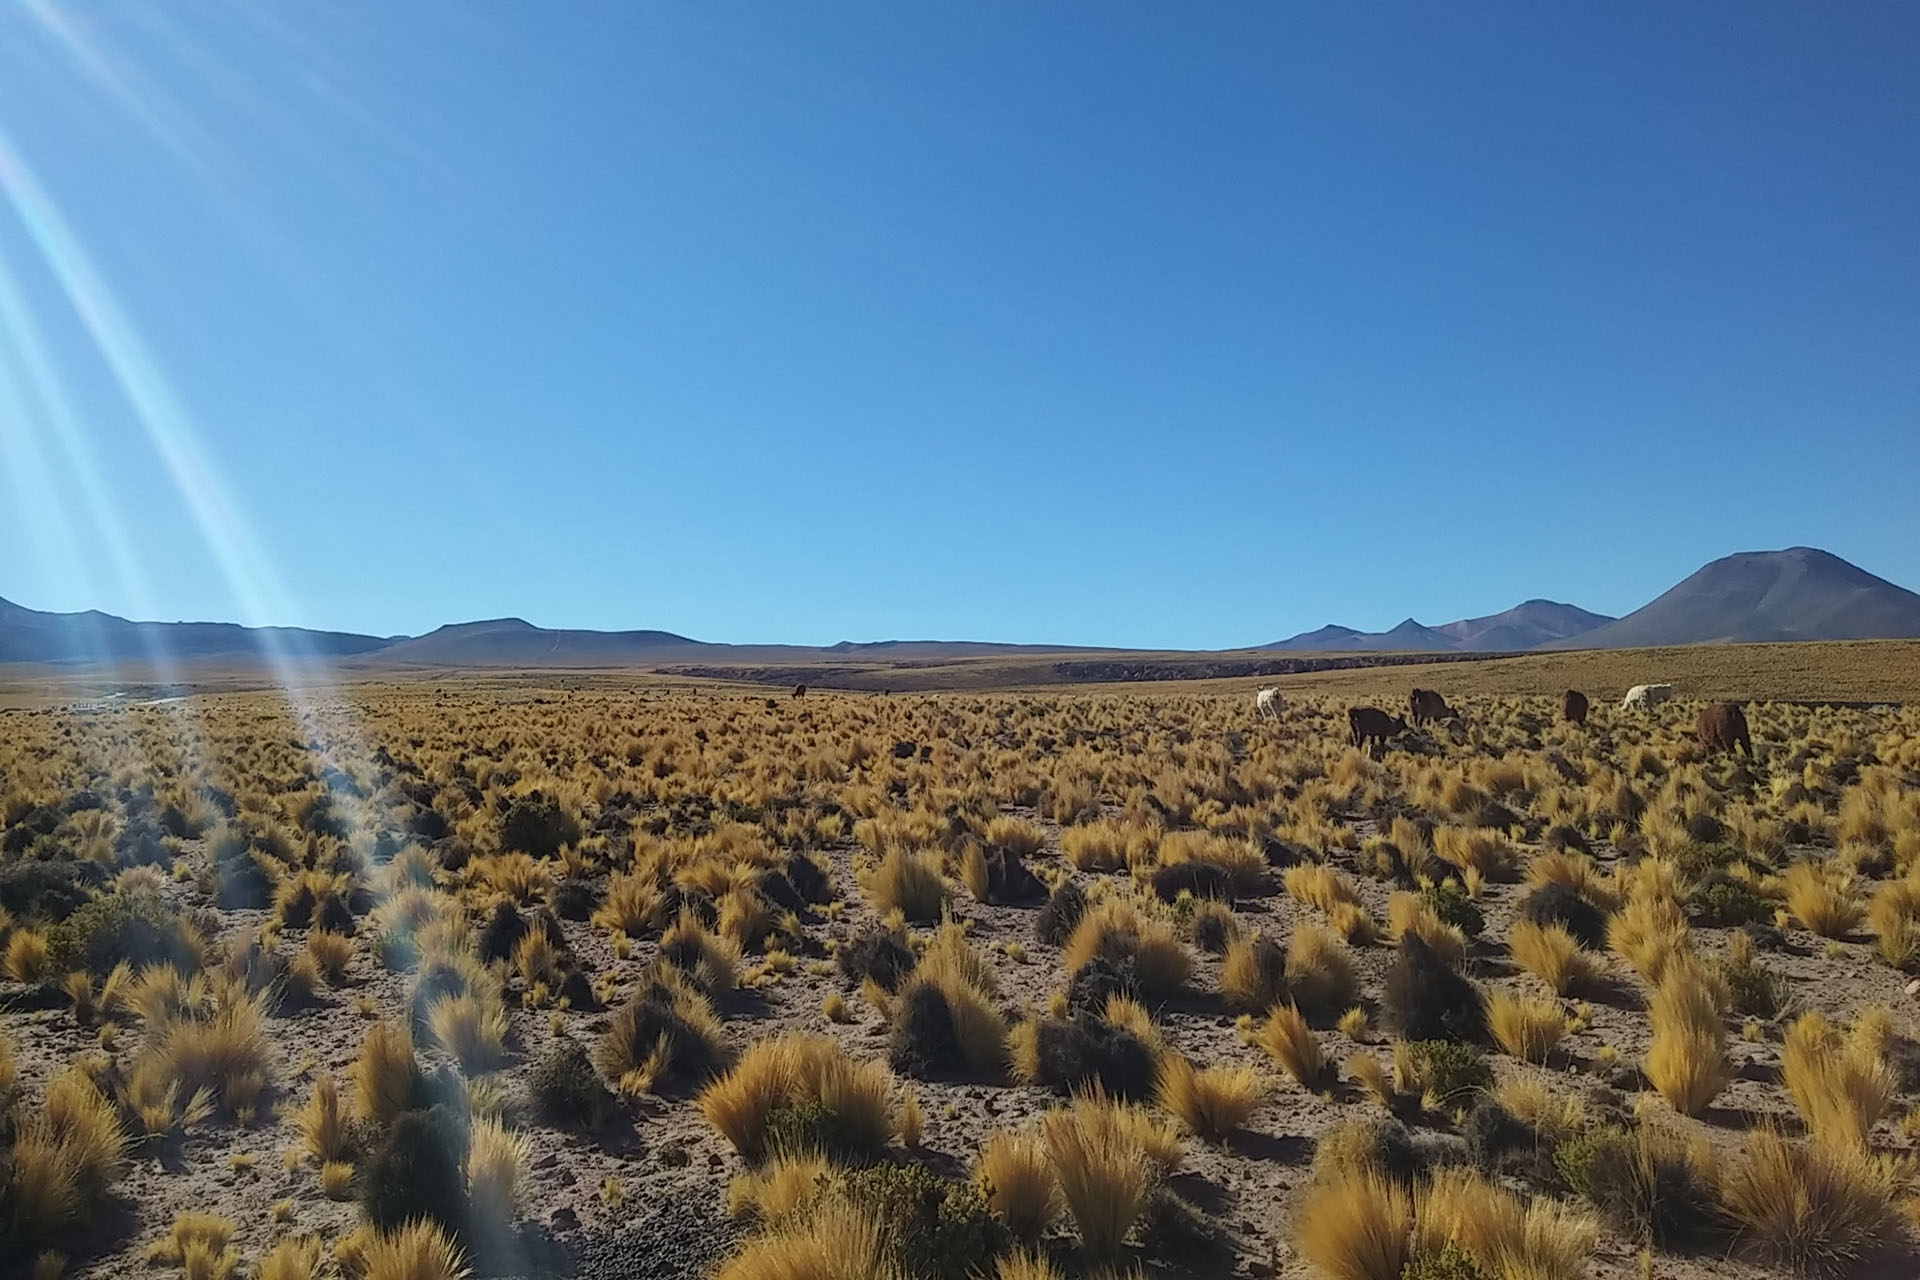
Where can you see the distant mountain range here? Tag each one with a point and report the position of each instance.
(1525, 626)
(1754, 597)
(1758, 596)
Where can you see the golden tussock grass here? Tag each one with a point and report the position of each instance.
(384, 1073)
(1213, 1102)
(1015, 834)
(64, 1157)
(1103, 1155)
(1015, 1175)
(1553, 955)
(416, 1251)
(834, 1241)
(1253, 973)
(1317, 885)
(25, 959)
(470, 1027)
(1410, 913)
(1687, 1062)
(496, 1169)
(1021, 1265)
(909, 883)
(1840, 1085)
(1320, 971)
(1289, 1041)
(1527, 1027)
(1106, 846)
(1354, 1227)
(1366, 1071)
(1823, 898)
(1116, 929)
(1648, 932)
(1480, 850)
(1538, 1239)
(1816, 1208)
(792, 1069)
(291, 1258)
(1240, 859)
(1551, 1114)
(778, 1187)
(322, 1123)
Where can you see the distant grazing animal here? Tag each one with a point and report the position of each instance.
(1645, 697)
(1424, 705)
(1371, 724)
(799, 691)
(1722, 726)
(1268, 702)
(1573, 707)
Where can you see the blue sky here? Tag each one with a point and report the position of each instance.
(1098, 323)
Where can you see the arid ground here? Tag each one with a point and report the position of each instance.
(633, 974)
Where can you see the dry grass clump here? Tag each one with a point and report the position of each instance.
(1539, 1238)
(1893, 914)
(1410, 913)
(1524, 1026)
(416, 1251)
(1243, 865)
(1688, 1061)
(1253, 973)
(1817, 1208)
(909, 883)
(666, 1034)
(1355, 1227)
(1106, 846)
(221, 1056)
(834, 1241)
(852, 1100)
(64, 1157)
(1213, 1102)
(1106, 1158)
(1116, 930)
(385, 1075)
(1015, 1176)
(1648, 932)
(1290, 1042)
(1823, 898)
(1551, 954)
(322, 1123)
(1317, 885)
(1015, 834)
(471, 1027)
(1319, 971)
(1840, 1085)
(1477, 851)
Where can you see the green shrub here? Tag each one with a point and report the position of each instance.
(1451, 903)
(1723, 903)
(1448, 1262)
(539, 826)
(415, 1172)
(1755, 990)
(1446, 1071)
(567, 1090)
(813, 1128)
(933, 1228)
(1641, 1180)
(137, 929)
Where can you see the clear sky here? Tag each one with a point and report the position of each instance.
(1112, 323)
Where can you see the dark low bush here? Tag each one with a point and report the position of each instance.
(1057, 919)
(538, 825)
(49, 891)
(416, 1172)
(932, 1228)
(1074, 1053)
(566, 1090)
(1426, 1000)
(1557, 904)
(882, 956)
(1200, 879)
(137, 929)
